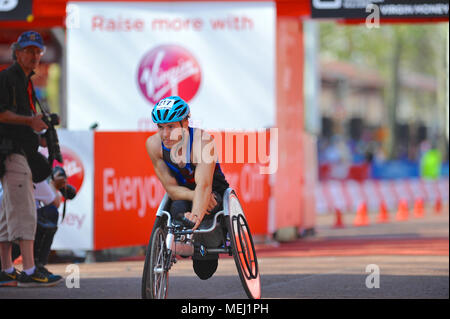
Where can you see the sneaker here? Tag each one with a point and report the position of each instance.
(47, 273)
(44, 270)
(8, 280)
(38, 279)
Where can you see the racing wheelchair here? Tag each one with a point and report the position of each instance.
(170, 238)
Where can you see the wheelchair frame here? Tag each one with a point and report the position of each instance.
(161, 251)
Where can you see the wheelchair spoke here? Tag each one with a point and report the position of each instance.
(157, 271)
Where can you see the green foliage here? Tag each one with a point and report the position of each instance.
(423, 45)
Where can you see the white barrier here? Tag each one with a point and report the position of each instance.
(348, 194)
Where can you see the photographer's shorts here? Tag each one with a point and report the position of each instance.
(18, 209)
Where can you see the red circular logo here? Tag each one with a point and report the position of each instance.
(73, 167)
(168, 70)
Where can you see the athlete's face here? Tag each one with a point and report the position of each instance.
(170, 133)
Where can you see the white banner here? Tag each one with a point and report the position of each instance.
(218, 56)
(76, 230)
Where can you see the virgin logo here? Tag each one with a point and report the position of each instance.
(73, 167)
(169, 70)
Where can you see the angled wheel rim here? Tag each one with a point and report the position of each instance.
(247, 264)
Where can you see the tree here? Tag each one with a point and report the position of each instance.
(390, 49)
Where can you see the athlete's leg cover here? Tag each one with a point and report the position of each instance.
(204, 265)
(179, 207)
(204, 269)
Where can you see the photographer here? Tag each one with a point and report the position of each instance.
(20, 162)
(49, 195)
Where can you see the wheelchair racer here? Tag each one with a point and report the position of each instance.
(185, 162)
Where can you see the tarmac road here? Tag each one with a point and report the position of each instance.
(412, 258)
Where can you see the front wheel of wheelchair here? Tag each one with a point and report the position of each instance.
(155, 278)
(243, 248)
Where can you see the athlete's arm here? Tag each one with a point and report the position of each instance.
(204, 173)
(175, 191)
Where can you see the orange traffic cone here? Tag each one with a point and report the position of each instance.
(383, 216)
(361, 218)
(418, 208)
(402, 213)
(338, 223)
(438, 206)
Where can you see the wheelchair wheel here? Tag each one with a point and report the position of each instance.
(155, 279)
(243, 248)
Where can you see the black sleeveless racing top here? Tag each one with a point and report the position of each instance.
(186, 176)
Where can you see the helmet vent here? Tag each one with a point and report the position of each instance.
(171, 116)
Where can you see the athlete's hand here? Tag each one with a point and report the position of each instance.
(194, 218)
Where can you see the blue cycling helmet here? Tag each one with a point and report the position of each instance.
(170, 109)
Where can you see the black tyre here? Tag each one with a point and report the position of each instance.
(155, 278)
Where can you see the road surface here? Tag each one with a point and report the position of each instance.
(411, 257)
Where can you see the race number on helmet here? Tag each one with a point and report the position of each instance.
(170, 109)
